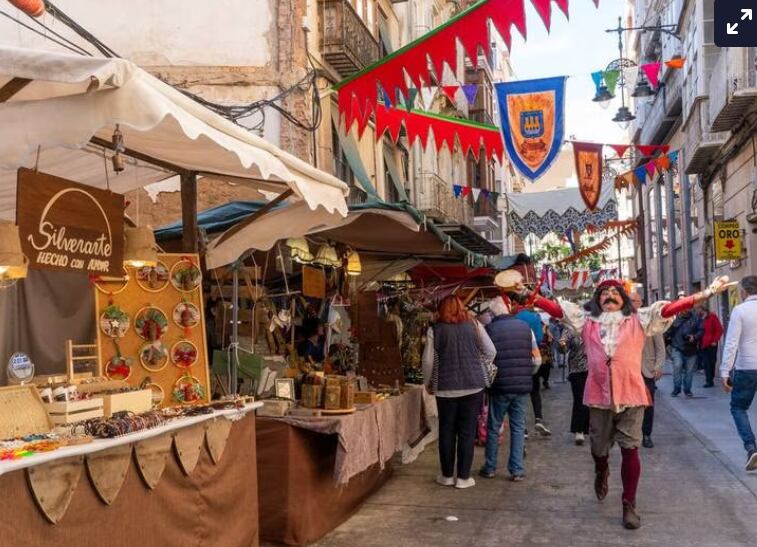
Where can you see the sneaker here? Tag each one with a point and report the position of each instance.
(580, 437)
(517, 478)
(486, 474)
(751, 462)
(445, 481)
(647, 442)
(675, 393)
(631, 519)
(542, 429)
(688, 394)
(465, 483)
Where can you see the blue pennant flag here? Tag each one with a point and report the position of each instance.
(641, 174)
(457, 189)
(533, 122)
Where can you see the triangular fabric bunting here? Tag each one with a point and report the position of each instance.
(646, 150)
(652, 71)
(611, 80)
(641, 174)
(457, 189)
(470, 91)
(597, 77)
(676, 63)
(620, 149)
(428, 94)
(412, 93)
(663, 163)
(451, 91)
(651, 168)
(475, 192)
(466, 191)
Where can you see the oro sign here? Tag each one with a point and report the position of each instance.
(727, 240)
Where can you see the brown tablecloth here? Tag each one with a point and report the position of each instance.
(299, 500)
(216, 505)
(371, 435)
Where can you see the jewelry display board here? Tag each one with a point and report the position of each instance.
(166, 340)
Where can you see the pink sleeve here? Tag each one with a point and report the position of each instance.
(677, 306)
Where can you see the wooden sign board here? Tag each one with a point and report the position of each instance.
(313, 282)
(68, 226)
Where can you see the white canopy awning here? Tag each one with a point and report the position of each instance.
(59, 120)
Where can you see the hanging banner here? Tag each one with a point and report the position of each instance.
(68, 226)
(588, 158)
(532, 117)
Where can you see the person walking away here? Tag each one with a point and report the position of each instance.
(613, 333)
(740, 356)
(572, 346)
(517, 358)
(685, 337)
(652, 362)
(537, 327)
(712, 332)
(457, 348)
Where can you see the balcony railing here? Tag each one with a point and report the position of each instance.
(701, 143)
(437, 200)
(733, 88)
(346, 42)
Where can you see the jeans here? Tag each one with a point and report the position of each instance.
(648, 423)
(515, 407)
(458, 417)
(709, 360)
(744, 387)
(579, 417)
(684, 367)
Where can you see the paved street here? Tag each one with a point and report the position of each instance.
(691, 492)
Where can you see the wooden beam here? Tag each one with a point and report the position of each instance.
(259, 213)
(189, 212)
(12, 87)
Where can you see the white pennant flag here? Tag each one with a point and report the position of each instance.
(428, 94)
(475, 192)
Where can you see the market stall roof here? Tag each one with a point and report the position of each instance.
(67, 107)
(558, 211)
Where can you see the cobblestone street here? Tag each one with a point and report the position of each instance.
(690, 493)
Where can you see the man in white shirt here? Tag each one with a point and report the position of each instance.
(740, 355)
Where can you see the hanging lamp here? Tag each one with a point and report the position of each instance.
(354, 266)
(13, 263)
(140, 249)
(300, 250)
(326, 256)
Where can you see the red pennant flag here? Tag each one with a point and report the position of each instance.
(646, 150)
(620, 149)
(450, 91)
(588, 158)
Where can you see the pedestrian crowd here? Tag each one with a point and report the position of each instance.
(486, 367)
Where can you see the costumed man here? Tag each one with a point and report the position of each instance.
(614, 334)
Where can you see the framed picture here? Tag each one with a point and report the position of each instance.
(285, 388)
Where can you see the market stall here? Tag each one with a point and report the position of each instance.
(105, 338)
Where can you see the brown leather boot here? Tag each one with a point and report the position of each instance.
(600, 483)
(631, 519)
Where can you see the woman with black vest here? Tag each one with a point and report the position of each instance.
(457, 348)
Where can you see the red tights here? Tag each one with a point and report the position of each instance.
(630, 471)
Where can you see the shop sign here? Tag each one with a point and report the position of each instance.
(727, 240)
(68, 226)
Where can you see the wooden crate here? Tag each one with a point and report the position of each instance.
(132, 401)
(22, 412)
(70, 412)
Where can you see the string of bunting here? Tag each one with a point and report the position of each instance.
(599, 247)
(640, 174)
(471, 136)
(358, 94)
(651, 72)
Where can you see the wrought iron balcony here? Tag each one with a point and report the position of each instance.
(346, 42)
(437, 200)
(733, 88)
(701, 143)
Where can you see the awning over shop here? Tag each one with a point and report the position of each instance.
(67, 107)
(558, 211)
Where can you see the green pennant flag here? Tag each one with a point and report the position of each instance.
(611, 80)
(412, 93)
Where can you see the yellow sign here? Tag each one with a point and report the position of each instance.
(727, 240)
